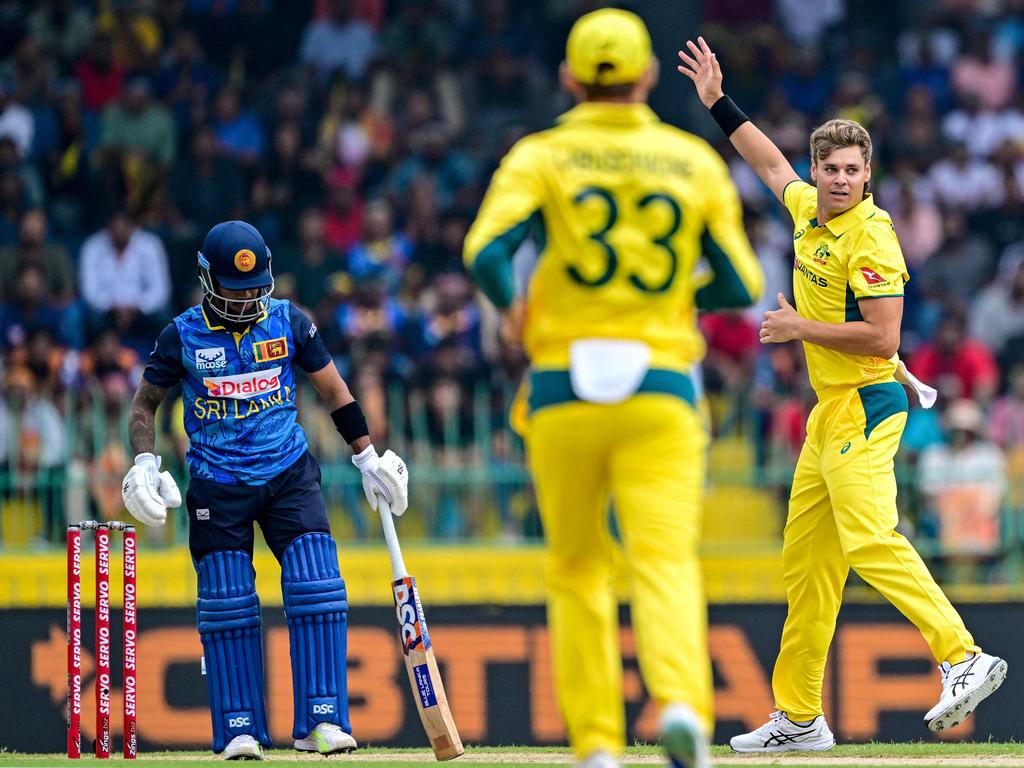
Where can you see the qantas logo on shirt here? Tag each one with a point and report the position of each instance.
(244, 385)
(872, 277)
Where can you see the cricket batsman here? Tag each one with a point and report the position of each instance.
(848, 283)
(622, 208)
(236, 356)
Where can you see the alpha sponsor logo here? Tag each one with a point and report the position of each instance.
(211, 359)
(424, 687)
(271, 349)
(412, 624)
(871, 277)
(243, 386)
(812, 277)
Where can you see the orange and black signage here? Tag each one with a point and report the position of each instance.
(496, 664)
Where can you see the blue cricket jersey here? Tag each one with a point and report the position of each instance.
(238, 389)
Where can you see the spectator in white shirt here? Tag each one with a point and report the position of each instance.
(962, 182)
(982, 131)
(16, 121)
(125, 279)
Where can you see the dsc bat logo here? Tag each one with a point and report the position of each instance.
(411, 622)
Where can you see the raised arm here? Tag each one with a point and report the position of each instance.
(757, 149)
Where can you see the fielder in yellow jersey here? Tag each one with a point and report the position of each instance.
(848, 283)
(623, 208)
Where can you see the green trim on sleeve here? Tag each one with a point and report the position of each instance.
(726, 290)
(881, 296)
(492, 267)
(791, 181)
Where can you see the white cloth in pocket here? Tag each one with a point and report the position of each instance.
(926, 395)
(607, 370)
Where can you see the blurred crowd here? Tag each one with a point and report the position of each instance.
(359, 135)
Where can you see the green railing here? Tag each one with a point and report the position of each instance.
(64, 461)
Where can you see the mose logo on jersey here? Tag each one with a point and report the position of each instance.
(243, 386)
(211, 359)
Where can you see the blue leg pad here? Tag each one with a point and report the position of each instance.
(317, 611)
(228, 615)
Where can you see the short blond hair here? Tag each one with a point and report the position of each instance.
(837, 134)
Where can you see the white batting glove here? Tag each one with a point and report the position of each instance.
(384, 477)
(148, 492)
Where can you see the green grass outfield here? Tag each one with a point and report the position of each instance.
(919, 755)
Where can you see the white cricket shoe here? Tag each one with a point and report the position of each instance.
(327, 739)
(780, 734)
(683, 737)
(964, 687)
(599, 759)
(243, 747)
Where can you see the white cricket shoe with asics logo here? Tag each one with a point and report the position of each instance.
(780, 734)
(327, 739)
(964, 687)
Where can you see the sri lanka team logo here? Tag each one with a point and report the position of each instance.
(271, 349)
(821, 255)
(245, 260)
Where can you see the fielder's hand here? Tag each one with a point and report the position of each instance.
(703, 69)
(148, 492)
(782, 324)
(384, 477)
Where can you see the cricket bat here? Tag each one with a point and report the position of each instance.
(427, 688)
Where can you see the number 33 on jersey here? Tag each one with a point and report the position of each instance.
(622, 208)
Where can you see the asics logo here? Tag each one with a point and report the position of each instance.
(962, 679)
(778, 737)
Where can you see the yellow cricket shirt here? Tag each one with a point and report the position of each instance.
(622, 207)
(854, 256)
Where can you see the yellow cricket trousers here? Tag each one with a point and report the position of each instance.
(842, 515)
(647, 454)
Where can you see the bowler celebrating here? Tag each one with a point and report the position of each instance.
(848, 284)
(235, 356)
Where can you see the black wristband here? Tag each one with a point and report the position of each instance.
(350, 422)
(727, 115)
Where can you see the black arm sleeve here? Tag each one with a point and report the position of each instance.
(164, 368)
(310, 351)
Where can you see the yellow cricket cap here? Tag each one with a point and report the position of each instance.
(608, 47)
